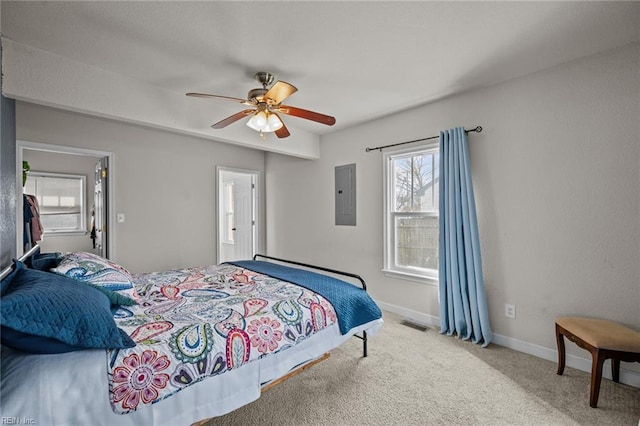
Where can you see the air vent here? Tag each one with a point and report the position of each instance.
(414, 325)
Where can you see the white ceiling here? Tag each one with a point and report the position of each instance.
(353, 60)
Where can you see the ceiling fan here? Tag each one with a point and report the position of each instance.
(266, 104)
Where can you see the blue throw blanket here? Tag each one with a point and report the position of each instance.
(352, 304)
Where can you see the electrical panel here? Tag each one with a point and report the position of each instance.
(346, 195)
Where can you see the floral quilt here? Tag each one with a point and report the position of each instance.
(199, 322)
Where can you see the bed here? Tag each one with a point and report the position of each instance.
(178, 346)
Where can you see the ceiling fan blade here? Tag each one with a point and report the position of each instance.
(282, 132)
(206, 95)
(233, 118)
(309, 115)
(280, 91)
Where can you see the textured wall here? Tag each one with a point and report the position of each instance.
(7, 180)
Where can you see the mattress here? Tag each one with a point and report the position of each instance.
(71, 389)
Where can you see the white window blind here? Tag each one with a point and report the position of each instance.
(61, 200)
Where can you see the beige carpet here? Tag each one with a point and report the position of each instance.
(424, 378)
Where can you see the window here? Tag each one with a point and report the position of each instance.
(61, 200)
(411, 213)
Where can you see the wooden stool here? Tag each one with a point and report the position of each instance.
(604, 339)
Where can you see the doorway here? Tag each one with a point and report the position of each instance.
(237, 197)
(64, 159)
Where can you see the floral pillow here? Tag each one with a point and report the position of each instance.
(95, 270)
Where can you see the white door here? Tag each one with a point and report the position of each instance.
(98, 231)
(237, 224)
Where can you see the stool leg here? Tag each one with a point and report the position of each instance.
(560, 343)
(596, 376)
(615, 369)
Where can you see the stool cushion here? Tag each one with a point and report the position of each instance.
(602, 334)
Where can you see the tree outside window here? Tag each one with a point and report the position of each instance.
(412, 212)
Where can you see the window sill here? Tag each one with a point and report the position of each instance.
(64, 233)
(411, 277)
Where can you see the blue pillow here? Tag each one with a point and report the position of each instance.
(32, 344)
(44, 261)
(50, 313)
(4, 284)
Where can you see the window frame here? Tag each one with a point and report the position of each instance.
(390, 268)
(82, 229)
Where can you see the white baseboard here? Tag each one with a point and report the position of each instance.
(628, 377)
(417, 317)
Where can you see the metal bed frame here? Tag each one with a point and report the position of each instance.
(333, 271)
(6, 271)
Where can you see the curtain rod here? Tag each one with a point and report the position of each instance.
(380, 148)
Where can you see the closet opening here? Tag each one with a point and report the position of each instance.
(51, 176)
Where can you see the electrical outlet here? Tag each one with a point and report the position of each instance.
(510, 311)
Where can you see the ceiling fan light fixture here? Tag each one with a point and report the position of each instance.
(258, 121)
(264, 121)
(274, 123)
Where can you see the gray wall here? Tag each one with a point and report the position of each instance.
(557, 178)
(163, 182)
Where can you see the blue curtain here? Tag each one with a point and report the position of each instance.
(463, 303)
